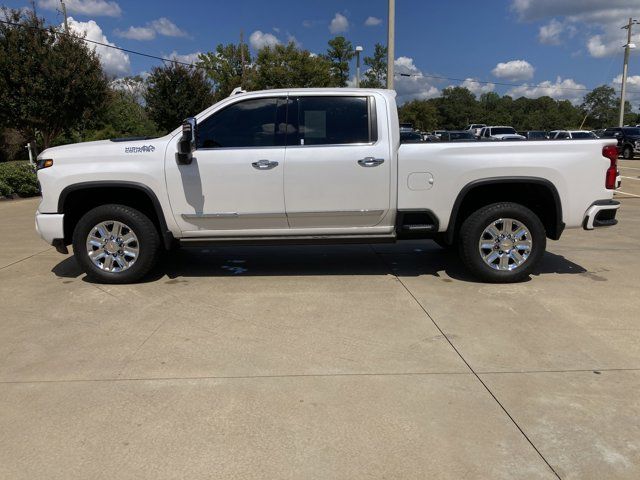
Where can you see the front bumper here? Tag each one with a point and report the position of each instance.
(601, 214)
(50, 226)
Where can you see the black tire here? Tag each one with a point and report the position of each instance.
(144, 229)
(472, 232)
(627, 153)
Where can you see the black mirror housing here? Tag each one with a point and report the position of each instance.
(187, 143)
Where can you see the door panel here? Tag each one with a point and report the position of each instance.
(235, 182)
(337, 171)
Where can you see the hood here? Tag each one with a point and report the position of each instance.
(509, 136)
(105, 148)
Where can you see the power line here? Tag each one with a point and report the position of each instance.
(55, 32)
(186, 64)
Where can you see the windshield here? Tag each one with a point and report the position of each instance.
(583, 135)
(632, 131)
(461, 135)
(503, 131)
(537, 135)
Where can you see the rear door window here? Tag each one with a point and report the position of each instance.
(333, 120)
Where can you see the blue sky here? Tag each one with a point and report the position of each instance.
(563, 45)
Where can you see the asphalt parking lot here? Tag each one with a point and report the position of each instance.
(342, 362)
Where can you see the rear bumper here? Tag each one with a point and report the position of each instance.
(50, 226)
(601, 214)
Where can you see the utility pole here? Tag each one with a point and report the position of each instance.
(242, 57)
(358, 50)
(64, 13)
(625, 67)
(391, 39)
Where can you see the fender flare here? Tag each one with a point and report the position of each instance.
(559, 227)
(167, 236)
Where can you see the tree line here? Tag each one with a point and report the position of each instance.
(458, 107)
(53, 89)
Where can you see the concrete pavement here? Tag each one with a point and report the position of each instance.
(321, 362)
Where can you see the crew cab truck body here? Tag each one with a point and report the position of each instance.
(317, 165)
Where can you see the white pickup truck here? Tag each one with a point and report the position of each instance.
(317, 166)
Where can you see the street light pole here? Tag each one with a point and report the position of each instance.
(391, 38)
(625, 68)
(358, 50)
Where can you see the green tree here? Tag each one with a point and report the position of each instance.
(49, 83)
(601, 107)
(422, 114)
(124, 117)
(340, 53)
(226, 69)
(175, 92)
(286, 66)
(376, 74)
(457, 107)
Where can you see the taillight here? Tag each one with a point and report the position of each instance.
(611, 152)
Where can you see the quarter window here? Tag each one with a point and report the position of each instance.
(259, 122)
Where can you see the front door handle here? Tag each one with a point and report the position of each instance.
(264, 164)
(370, 162)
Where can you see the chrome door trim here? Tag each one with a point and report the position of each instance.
(198, 216)
(337, 213)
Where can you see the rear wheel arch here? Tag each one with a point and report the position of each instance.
(77, 199)
(537, 194)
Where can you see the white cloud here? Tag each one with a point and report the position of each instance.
(549, 34)
(137, 33)
(166, 27)
(259, 39)
(567, 89)
(414, 87)
(94, 8)
(339, 24)
(475, 87)
(185, 58)
(600, 20)
(372, 21)
(161, 26)
(114, 62)
(514, 70)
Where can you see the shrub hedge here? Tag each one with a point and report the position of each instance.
(18, 178)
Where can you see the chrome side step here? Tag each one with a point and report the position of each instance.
(289, 240)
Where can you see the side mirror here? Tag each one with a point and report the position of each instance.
(187, 143)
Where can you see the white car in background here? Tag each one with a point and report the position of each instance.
(572, 135)
(475, 128)
(500, 133)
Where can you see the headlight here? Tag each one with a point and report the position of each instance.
(44, 163)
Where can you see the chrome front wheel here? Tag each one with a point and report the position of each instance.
(112, 246)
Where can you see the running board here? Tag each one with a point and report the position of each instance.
(289, 240)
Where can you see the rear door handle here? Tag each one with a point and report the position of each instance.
(370, 162)
(264, 164)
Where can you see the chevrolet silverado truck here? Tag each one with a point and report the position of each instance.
(317, 166)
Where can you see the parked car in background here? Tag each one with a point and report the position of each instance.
(438, 133)
(411, 137)
(628, 140)
(458, 136)
(572, 135)
(406, 127)
(475, 128)
(500, 133)
(535, 135)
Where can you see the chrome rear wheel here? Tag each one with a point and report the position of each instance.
(505, 244)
